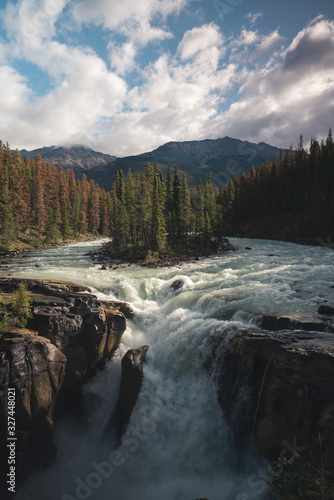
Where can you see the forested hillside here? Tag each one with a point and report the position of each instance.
(40, 203)
(290, 199)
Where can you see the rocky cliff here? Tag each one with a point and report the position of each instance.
(70, 335)
(277, 390)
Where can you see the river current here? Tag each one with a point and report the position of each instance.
(178, 445)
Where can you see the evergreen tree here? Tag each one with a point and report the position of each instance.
(7, 219)
(51, 230)
(158, 234)
(65, 227)
(199, 210)
(209, 199)
(185, 210)
(175, 229)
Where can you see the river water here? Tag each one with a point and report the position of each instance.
(178, 445)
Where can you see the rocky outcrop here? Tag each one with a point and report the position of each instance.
(71, 334)
(132, 374)
(131, 380)
(279, 323)
(278, 389)
(34, 369)
(176, 285)
(83, 328)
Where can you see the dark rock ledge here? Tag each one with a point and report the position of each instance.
(277, 391)
(69, 337)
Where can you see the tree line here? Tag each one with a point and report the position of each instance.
(291, 198)
(143, 212)
(41, 199)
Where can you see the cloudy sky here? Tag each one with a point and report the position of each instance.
(124, 77)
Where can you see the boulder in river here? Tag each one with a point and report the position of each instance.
(176, 285)
(324, 309)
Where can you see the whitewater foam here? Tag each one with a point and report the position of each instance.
(178, 445)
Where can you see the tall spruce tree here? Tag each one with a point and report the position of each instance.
(175, 229)
(158, 229)
(185, 211)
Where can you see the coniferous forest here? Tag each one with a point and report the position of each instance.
(291, 199)
(42, 204)
(145, 214)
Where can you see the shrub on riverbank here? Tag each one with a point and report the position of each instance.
(16, 310)
(291, 479)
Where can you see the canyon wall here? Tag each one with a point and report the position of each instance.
(68, 338)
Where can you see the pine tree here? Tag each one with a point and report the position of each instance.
(130, 201)
(158, 231)
(175, 229)
(65, 226)
(209, 199)
(104, 219)
(185, 210)
(119, 186)
(51, 230)
(83, 211)
(199, 210)
(6, 213)
(207, 233)
(38, 195)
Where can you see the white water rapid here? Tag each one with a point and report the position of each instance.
(178, 445)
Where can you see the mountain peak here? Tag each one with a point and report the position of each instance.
(226, 157)
(76, 156)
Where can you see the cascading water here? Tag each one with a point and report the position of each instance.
(178, 445)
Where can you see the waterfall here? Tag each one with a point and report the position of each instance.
(178, 445)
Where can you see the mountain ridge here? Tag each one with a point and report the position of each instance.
(78, 157)
(226, 157)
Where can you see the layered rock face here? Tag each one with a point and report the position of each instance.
(71, 334)
(35, 369)
(277, 388)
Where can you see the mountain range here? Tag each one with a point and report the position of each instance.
(226, 157)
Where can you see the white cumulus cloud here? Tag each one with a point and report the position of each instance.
(198, 39)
